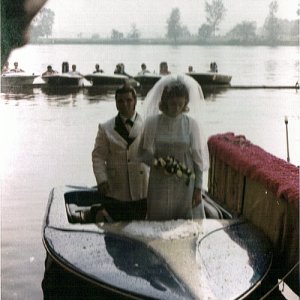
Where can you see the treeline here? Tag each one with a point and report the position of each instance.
(163, 41)
(275, 31)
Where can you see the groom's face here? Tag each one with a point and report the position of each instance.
(125, 103)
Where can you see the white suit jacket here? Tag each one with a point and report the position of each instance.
(115, 160)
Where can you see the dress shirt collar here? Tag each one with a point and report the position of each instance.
(132, 118)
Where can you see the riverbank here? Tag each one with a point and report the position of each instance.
(162, 41)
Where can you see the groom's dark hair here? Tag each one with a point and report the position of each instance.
(126, 88)
(174, 89)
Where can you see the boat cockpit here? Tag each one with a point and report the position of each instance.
(83, 205)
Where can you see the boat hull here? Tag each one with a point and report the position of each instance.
(147, 79)
(125, 260)
(63, 80)
(17, 79)
(210, 78)
(105, 80)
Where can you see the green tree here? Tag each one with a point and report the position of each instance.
(204, 32)
(134, 33)
(215, 13)
(294, 28)
(95, 36)
(42, 24)
(173, 25)
(271, 25)
(288, 30)
(244, 32)
(116, 35)
(184, 32)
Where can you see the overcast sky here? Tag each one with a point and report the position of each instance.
(101, 16)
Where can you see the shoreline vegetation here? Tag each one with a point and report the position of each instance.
(162, 41)
(274, 31)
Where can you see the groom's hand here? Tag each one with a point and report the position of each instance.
(196, 197)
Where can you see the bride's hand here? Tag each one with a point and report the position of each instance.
(196, 197)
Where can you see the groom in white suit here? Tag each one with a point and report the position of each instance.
(122, 181)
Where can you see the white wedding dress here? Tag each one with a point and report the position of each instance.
(169, 197)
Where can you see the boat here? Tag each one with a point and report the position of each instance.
(210, 78)
(147, 79)
(109, 80)
(219, 257)
(64, 79)
(210, 82)
(19, 79)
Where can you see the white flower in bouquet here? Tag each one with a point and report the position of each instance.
(173, 166)
(162, 162)
(179, 173)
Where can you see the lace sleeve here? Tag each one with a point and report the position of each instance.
(199, 147)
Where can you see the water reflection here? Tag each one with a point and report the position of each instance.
(271, 67)
(211, 92)
(95, 93)
(63, 100)
(91, 93)
(143, 90)
(17, 91)
(60, 90)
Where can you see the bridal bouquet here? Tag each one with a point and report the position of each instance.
(172, 166)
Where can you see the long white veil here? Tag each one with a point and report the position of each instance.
(196, 109)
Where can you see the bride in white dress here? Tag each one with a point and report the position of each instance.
(172, 111)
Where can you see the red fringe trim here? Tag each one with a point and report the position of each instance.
(275, 174)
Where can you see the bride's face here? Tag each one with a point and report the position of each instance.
(175, 106)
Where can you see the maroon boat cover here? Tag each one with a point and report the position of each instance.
(279, 176)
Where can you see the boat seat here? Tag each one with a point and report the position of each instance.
(76, 213)
(87, 214)
(84, 207)
(79, 203)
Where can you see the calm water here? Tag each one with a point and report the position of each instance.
(46, 140)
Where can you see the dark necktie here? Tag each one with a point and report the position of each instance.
(129, 122)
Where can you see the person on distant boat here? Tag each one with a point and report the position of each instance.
(49, 71)
(122, 181)
(74, 71)
(97, 69)
(144, 69)
(214, 67)
(117, 69)
(16, 68)
(5, 68)
(120, 69)
(190, 69)
(163, 68)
